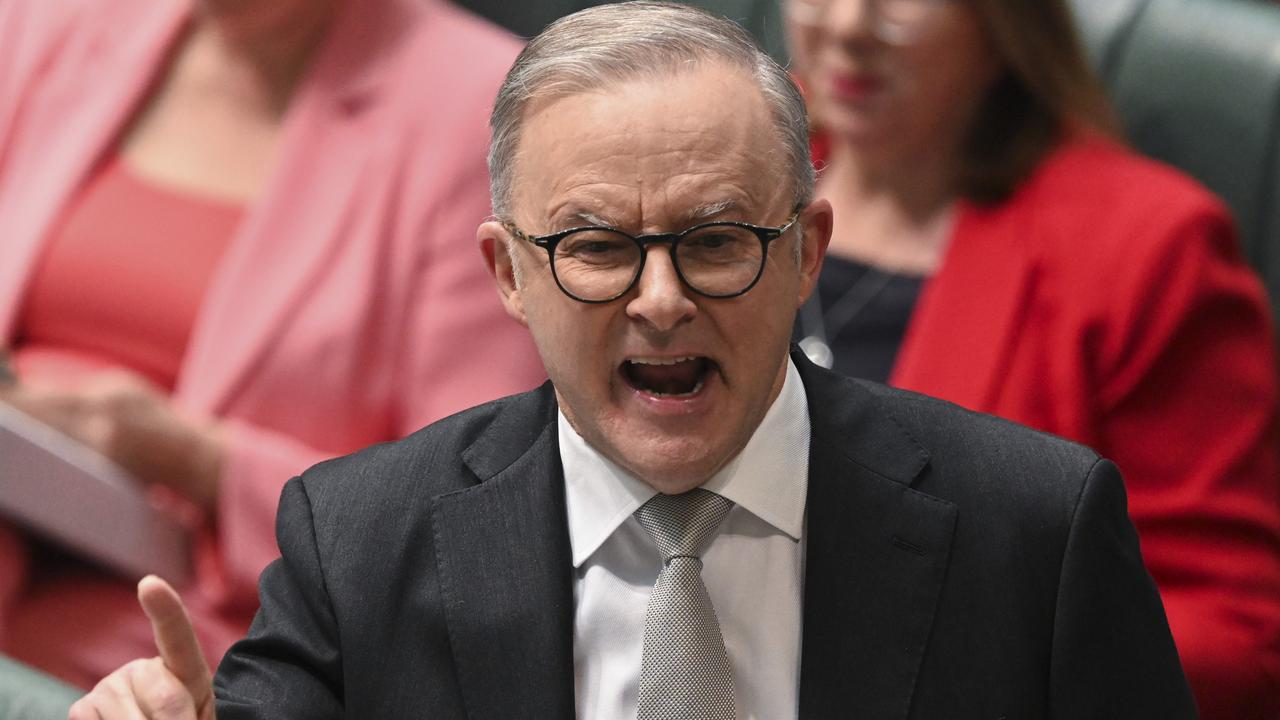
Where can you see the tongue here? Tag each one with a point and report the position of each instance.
(676, 379)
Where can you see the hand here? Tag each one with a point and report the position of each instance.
(125, 418)
(6, 371)
(174, 686)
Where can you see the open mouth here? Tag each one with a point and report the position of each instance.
(668, 377)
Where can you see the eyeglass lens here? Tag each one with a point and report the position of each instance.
(716, 260)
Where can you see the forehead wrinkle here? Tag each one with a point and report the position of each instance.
(645, 175)
(696, 197)
(656, 202)
(702, 212)
(590, 203)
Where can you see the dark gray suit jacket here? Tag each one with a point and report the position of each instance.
(957, 566)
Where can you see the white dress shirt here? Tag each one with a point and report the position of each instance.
(753, 568)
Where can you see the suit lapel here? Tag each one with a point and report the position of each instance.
(328, 160)
(961, 334)
(875, 557)
(503, 554)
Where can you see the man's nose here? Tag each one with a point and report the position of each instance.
(662, 300)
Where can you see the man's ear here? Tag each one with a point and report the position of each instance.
(816, 219)
(493, 239)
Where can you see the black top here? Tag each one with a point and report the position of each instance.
(862, 313)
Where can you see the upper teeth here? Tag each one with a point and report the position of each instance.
(661, 361)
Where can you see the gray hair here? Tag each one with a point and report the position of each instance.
(612, 43)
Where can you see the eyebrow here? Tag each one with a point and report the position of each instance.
(581, 216)
(710, 210)
(586, 217)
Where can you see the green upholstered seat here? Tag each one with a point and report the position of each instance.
(1104, 25)
(27, 694)
(1197, 84)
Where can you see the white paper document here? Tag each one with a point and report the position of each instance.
(61, 490)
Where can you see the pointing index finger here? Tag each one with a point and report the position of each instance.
(175, 637)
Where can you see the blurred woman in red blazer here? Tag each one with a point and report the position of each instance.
(995, 246)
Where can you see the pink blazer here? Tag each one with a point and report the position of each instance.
(352, 306)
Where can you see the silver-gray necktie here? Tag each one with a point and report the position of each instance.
(685, 669)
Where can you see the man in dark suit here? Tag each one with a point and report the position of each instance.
(687, 521)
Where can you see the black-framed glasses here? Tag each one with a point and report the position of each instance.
(596, 264)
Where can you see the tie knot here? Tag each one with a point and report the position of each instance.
(683, 524)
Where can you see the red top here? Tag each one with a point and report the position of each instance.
(119, 285)
(112, 291)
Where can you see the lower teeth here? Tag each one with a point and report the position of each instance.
(694, 391)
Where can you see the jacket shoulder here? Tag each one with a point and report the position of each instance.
(427, 463)
(1093, 172)
(452, 58)
(1094, 203)
(976, 459)
(1104, 227)
(939, 423)
(36, 33)
(43, 19)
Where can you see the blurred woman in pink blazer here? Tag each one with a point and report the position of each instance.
(236, 238)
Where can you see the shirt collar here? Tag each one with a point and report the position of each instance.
(769, 478)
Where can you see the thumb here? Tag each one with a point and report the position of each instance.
(175, 638)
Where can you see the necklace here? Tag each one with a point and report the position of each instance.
(818, 325)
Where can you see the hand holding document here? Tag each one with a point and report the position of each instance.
(6, 372)
(125, 418)
(60, 489)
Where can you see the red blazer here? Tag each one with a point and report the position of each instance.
(1107, 302)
